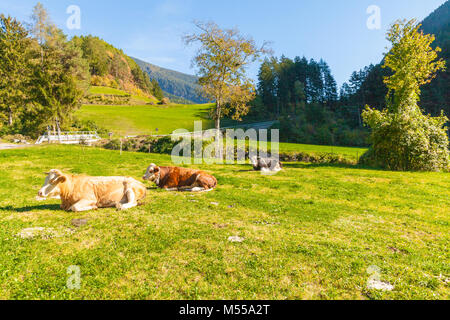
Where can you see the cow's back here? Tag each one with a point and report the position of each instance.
(177, 177)
(104, 190)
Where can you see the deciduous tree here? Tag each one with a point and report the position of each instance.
(403, 138)
(221, 63)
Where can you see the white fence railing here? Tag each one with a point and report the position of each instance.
(69, 137)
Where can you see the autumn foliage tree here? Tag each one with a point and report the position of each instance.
(221, 62)
(402, 137)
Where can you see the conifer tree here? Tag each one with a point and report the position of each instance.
(14, 67)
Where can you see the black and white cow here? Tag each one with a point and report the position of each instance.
(266, 164)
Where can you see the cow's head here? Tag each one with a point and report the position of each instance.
(50, 189)
(254, 161)
(153, 173)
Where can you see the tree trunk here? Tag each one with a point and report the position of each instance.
(59, 130)
(217, 125)
(360, 118)
(10, 117)
(218, 115)
(278, 108)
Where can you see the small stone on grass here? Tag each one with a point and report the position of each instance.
(236, 239)
(379, 285)
(79, 222)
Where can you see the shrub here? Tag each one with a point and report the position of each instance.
(16, 138)
(407, 142)
(113, 144)
(164, 101)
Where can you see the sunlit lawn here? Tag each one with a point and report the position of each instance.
(145, 119)
(311, 232)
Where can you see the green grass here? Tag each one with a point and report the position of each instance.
(106, 90)
(142, 120)
(311, 232)
(134, 99)
(136, 120)
(347, 151)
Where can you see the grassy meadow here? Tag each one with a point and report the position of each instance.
(134, 99)
(144, 119)
(311, 232)
(98, 90)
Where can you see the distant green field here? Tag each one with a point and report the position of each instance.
(106, 90)
(135, 99)
(136, 120)
(349, 151)
(142, 120)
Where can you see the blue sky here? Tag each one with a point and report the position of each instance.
(152, 29)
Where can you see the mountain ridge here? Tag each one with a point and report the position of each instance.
(173, 82)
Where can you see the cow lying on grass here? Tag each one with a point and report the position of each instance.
(180, 179)
(266, 164)
(82, 193)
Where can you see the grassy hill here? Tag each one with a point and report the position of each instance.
(100, 95)
(144, 119)
(98, 90)
(310, 232)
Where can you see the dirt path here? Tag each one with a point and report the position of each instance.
(7, 146)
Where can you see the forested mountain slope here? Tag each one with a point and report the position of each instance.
(111, 67)
(176, 83)
(436, 95)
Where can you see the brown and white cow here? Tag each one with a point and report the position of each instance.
(180, 179)
(83, 193)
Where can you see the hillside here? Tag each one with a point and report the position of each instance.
(436, 95)
(173, 82)
(111, 67)
(100, 95)
(126, 120)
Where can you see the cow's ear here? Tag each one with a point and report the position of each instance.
(61, 179)
(56, 172)
(156, 169)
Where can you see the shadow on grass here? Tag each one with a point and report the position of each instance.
(52, 207)
(204, 115)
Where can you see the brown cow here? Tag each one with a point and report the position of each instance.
(83, 193)
(180, 179)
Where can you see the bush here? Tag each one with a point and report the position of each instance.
(317, 158)
(16, 138)
(407, 141)
(113, 144)
(164, 101)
